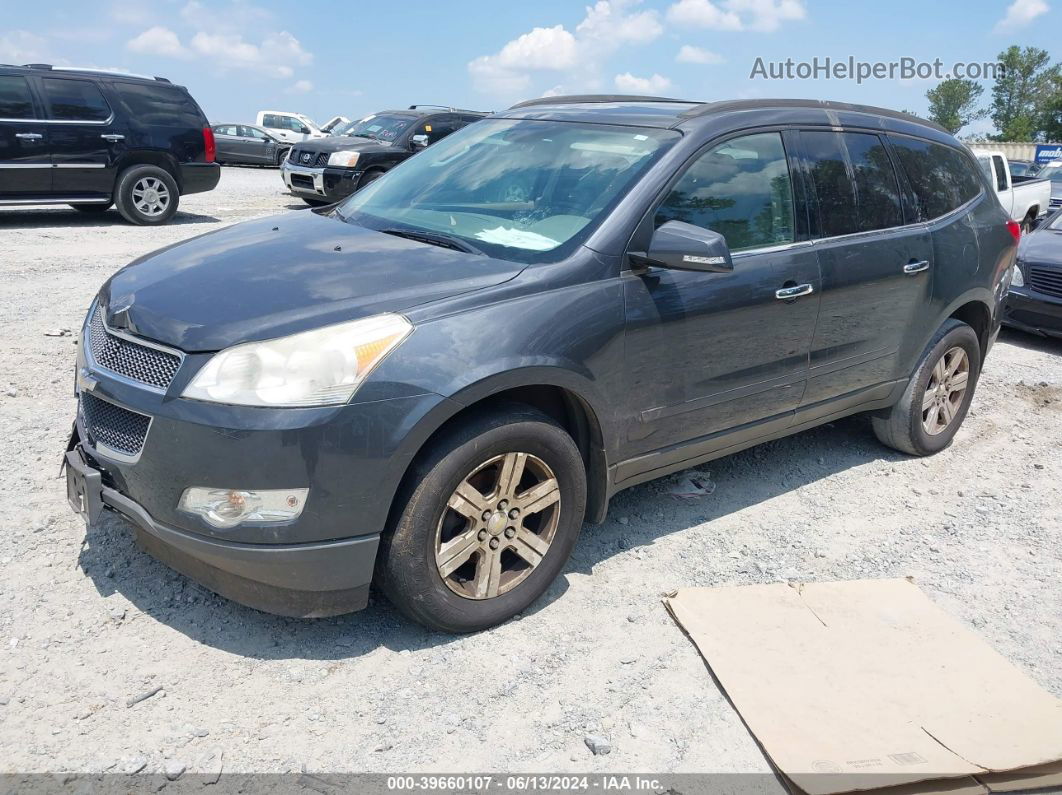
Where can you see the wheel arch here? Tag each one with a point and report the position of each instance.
(163, 160)
(978, 315)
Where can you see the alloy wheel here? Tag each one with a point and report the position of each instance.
(497, 526)
(151, 197)
(945, 391)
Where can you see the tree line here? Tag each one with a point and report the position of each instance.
(1026, 99)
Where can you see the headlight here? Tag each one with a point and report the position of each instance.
(347, 159)
(1017, 279)
(322, 367)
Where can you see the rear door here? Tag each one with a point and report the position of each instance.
(25, 159)
(227, 142)
(876, 263)
(86, 142)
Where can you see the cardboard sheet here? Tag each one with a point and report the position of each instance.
(867, 684)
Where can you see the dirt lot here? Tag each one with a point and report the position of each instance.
(87, 622)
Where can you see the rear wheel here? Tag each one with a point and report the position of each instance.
(146, 195)
(282, 155)
(92, 209)
(1027, 223)
(491, 514)
(936, 400)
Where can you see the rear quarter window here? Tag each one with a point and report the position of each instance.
(16, 101)
(942, 178)
(159, 105)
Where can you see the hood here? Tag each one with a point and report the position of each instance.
(1044, 246)
(344, 143)
(280, 275)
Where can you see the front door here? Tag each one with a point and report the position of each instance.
(709, 352)
(25, 160)
(85, 141)
(876, 270)
(256, 145)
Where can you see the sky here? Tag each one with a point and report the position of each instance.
(323, 59)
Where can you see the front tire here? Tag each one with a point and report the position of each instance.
(146, 195)
(937, 398)
(491, 512)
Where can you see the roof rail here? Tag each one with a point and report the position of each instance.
(92, 70)
(579, 99)
(448, 108)
(705, 108)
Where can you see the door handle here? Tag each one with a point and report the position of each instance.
(916, 267)
(112, 137)
(789, 293)
(29, 136)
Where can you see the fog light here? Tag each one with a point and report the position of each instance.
(224, 508)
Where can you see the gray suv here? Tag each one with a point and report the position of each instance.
(431, 385)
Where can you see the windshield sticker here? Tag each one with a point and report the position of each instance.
(517, 238)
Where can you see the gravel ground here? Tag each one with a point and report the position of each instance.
(88, 623)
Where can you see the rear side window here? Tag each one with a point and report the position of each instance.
(834, 186)
(877, 189)
(160, 105)
(1001, 172)
(16, 101)
(740, 189)
(75, 100)
(942, 178)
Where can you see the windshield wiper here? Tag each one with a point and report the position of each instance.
(434, 239)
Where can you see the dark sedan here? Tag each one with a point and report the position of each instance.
(245, 143)
(1034, 303)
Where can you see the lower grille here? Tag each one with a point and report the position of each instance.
(1045, 280)
(302, 181)
(112, 426)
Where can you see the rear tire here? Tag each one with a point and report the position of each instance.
(92, 209)
(146, 195)
(932, 408)
(282, 155)
(445, 566)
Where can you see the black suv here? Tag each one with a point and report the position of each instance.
(324, 170)
(430, 385)
(92, 139)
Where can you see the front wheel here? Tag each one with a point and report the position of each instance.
(146, 195)
(492, 511)
(936, 400)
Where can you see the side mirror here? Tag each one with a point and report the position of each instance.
(419, 141)
(686, 247)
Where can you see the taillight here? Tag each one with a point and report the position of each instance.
(209, 147)
(1015, 230)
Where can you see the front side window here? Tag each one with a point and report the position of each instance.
(524, 190)
(75, 100)
(740, 189)
(16, 101)
(942, 178)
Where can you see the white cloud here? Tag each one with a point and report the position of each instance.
(157, 41)
(21, 46)
(758, 15)
(276, 56)
(642, 85)
(607, 26)
(690, 54)
(1020, 13)
(301, 87)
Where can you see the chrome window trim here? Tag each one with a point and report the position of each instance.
(108, 120)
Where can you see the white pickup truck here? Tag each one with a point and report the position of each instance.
(1024, 198)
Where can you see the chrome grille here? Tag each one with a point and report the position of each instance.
(1046, 280)
(127, 358)
(112, 426)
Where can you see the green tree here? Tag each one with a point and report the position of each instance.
(953, 103)
(1051, 112)
(1019, 93)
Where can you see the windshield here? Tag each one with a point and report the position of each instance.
(516, 189)
(1055, 223)
(1053, 173)
(378, 127)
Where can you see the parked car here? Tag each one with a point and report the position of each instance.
(289, 127)
(438, 379)
(1053, 172)
(245, 143)
(1023, 168)
(324, 171)
(1024, 198)
(1034, 301)
(90, 139)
